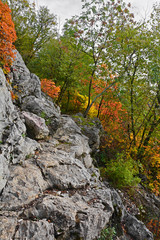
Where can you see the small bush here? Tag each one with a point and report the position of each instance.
(49, 87)
(122, 171)
(107, 233)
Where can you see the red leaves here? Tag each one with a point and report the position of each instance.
(49, 87)
(7, 36)
(154, 227)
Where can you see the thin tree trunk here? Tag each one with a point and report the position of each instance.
(132, 113)
(68, 100)
(63, 89)
(153, 127)
(99, 107)
(100, 94)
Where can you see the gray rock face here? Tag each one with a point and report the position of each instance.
(73, 215)
(136, 229)
(14, 146)
(24, 184)
(91, 129)
(27, 84)
(63, 171)
(94, 137)
(36, 126)
(27, 87)
(13, 228)
(54, 195)
(70, 133)
(4, 172)
(35, 230)
(7, 226)
(6, 106)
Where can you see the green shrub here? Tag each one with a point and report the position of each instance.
(107, 233)
(122, 171)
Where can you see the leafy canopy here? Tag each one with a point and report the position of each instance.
(7, 36)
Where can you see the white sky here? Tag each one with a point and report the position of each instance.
(66, 8)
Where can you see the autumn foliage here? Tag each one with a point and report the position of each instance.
(154, 227)
(7, 36)
(49, 87)
(101, 67)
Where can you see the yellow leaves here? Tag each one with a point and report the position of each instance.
(78, 103)
(93, 111)
(82, 100)
(158, 177)
(155, 187)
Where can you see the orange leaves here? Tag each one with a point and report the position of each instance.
(154, 227)
(13, 96)
(7, 36)
(113, 118)
(49, 87)
(111, 113)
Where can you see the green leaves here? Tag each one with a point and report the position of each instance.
(97, 29)
(34, 28)
(122, 171)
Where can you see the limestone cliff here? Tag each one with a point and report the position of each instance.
(49, 186)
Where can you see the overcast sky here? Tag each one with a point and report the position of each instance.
(66, 8)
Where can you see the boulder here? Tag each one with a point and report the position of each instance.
(63, 171)
(136, 229)
(36, 126)
(69, 133)
(43, 108)
(93, 134)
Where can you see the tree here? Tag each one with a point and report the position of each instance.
(97, 30)
(144, 85)
(33, 27)
(7, 36)
(62, 63)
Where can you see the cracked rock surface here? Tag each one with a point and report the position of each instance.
(53, 195)
(54, 192)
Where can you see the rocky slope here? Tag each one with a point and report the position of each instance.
(49, 188)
